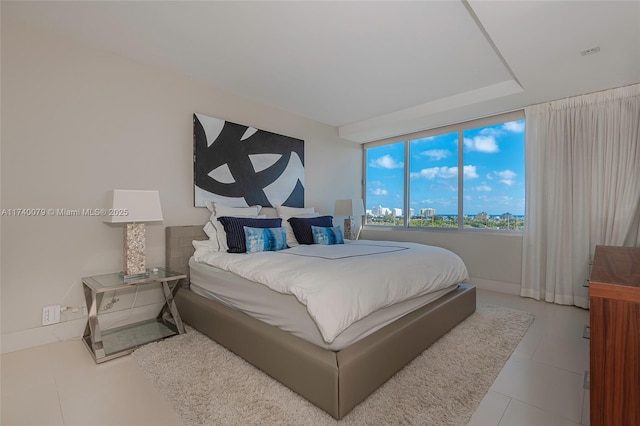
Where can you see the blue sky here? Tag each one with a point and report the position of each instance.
(493, 172)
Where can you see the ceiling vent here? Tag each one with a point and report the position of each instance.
(590, 51)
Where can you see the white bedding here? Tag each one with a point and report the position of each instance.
(341, 284)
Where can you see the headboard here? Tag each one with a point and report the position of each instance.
(179, 247)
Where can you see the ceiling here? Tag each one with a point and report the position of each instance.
(371, 69)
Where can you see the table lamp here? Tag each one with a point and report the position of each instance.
(133, 208)
(349, 208)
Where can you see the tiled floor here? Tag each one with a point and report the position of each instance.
(59, 384)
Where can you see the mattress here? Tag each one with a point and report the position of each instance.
(286, 312)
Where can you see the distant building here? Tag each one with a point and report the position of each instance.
(506, 216)
(482, 216)
(411, 212)
(397, 212)
(428, 212)
(380, 211)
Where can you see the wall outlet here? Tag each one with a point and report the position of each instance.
(51, 315)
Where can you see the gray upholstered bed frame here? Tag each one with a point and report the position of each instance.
(334, 381)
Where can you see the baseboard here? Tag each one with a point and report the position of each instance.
(497, 286)
(71, 329)
(25, 339)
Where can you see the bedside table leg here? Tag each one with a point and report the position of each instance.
(170, 304)
(92, 329)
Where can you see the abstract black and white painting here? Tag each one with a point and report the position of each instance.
(242, 166)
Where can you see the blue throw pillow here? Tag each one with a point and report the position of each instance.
(302, 227)
(234, 228)
(265, 239)
(327, 235)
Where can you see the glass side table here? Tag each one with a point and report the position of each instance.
(116, 342)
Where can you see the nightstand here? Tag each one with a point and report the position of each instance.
(116, 342)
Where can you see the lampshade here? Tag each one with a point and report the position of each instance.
(133, 206)
(351, 207)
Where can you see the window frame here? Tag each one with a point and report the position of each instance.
(458, 128)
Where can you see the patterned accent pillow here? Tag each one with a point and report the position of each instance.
(302, 227)
(265, 239)
(327, 235)
(234, 228)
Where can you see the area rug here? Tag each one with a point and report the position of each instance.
(209, 385)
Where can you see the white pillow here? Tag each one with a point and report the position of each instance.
(212, 233)
(203, 246)
(293, 211)
(222, 234)
(217, 209)
(291, 237)
(222, 210)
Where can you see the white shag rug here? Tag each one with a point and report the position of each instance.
(209, 385)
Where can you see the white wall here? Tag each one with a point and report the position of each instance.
(77, 122)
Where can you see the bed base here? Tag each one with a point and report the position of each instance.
(334, 381)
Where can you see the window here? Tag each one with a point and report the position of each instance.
(466, 176)
(385, 184)
(433, 194)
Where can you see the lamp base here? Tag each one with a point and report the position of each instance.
(129, 277)
(348, 228)
(135, 264)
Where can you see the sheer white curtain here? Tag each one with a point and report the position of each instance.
(582, 189)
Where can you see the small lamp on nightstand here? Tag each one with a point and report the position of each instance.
(133, 208)
(349, 208)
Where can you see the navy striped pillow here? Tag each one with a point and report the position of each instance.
(234, 227)
(302, 227)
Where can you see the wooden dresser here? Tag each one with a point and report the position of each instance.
(614, 295)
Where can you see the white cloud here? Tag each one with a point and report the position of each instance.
(433, 172)
(445, 172)
(514, 126)
(379, 191)
(386, 162)
(469, 172)
(436, 154)
(506, 176)
(483, 143)
(483, 187)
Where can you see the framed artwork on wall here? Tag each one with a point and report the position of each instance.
(241, 166)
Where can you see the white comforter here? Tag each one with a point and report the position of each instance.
(340, 284)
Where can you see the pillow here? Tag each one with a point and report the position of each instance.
(293, 211)
(201, 245)
(234, 229)
(211, 232)
(265, 239)
(327, 235)
(291, 237)
(222, 210)
(221, 234)
(302, 227)
(214, 230)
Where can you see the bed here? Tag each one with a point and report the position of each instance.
(335, 379)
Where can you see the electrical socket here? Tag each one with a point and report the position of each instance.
(51, 315)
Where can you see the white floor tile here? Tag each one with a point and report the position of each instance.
(31, 405)
(568, 353)
(490, 410)
(549, 388)
(585, 409)
(521, 414)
